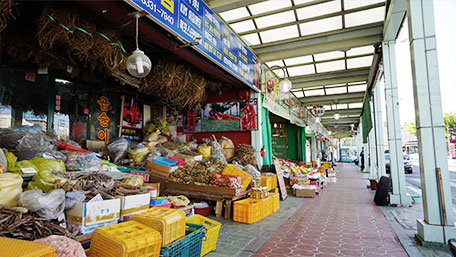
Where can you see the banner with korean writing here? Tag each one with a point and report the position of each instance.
(132, 118)
(194, 21)
(103, 123)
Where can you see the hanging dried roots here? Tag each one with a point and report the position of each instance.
(6, 13)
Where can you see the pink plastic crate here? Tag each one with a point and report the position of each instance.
(164, 205)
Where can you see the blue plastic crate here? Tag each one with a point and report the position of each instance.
(164, 161)
(189, 245)
(158, 201)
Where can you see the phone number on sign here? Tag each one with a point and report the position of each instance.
(153, 7)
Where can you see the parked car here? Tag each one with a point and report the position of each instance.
(408, 168)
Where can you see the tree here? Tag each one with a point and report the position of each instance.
(449, 121)
(410, 127)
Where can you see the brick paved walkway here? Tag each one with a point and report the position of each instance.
(341, 221)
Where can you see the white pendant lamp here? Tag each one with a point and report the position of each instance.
(285, 84)
(336, 116)
(138, 64)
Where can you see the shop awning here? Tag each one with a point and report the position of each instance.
(326, 47)
(366, 119)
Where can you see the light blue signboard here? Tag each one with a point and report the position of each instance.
(193, 19)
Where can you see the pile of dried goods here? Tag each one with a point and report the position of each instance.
(27, 226)
(245, 154)
(200, 174)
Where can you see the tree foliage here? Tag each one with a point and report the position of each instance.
(410, 127)
(449, 122)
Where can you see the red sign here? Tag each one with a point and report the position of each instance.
(103, 118)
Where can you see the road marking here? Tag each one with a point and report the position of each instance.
(414, 189)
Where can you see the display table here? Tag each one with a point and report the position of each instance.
(223, 196)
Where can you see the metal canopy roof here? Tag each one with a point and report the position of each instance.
(325, 46)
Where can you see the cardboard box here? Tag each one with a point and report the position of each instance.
(88, 229)
(307, 193)
(304, 181)
(132, 204)
(92, 213)
(159, 169)
(186, 157)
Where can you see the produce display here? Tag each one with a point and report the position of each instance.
(245, 154)
(200, 174)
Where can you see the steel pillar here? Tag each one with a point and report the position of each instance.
(438, 223)
(372, 155)
(313, 145)
(257, 141)
(399, 196)
(379, 130)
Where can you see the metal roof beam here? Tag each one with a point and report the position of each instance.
(329, 60)
(337, 40)
(330, 113)
(330, 78)
(396, 14)
(339, 121)
(330, 98)
(285, 9)
(226, 5)
(325, 16)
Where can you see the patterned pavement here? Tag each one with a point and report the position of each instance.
(342, 221)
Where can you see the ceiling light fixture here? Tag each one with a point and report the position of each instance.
(336, 116)
(285, 84)
(138, 64)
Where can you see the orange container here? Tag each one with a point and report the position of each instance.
(21, 248)
(230, 169)
(248, 210)
(126, 239)
(169, 222)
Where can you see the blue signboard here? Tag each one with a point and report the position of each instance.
(193, 19)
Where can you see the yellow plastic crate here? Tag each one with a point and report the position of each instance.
(169, 222)
(275, 201)
(230, 169)
(248, 210)
(126, 239)
(21, 248)
(268, 181)
(213, 229)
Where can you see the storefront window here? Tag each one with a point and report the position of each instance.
(71, 115)
(23, 98)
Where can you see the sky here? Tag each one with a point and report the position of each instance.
(445, 25)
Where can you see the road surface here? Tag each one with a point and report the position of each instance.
(414, 182)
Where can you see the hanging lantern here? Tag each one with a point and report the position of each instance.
(138, 64)
(263, 152)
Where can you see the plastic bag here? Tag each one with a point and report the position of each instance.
(72, 198)
(48, 206)
(167, 152)
(118, 148)
(252, 171)
(26, 165)
(217, 150)
(138, 154)
(65, 247)
(180, 200)
(11, 160)
(10, 189)
(204, 150)
(3, 162)
(153, 136)
(228, 147)
(44, 164)
(91, 161)
(150, 127)
(134, 181)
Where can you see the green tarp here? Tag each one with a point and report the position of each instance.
(266, 134)
(292, 133)
(366, 119)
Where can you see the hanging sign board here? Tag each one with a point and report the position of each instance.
(194, 21)
(318, 110)
(283, 189)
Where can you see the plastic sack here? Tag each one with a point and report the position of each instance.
(3, 162)
(134, 181)
(118, 148)
(165, 131)
(252, 171)
(48, 206)
(74, 197)
(91, 162)
(26, 165)
(204, 150)
(217, 150)
(228, 147)
(150, 127)
(180, 200)
(138, 154)
(230, 181)
(153, 136)
(44, 164)
(11, 160)
(65, 247)
(165, 152)
(10, 189)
